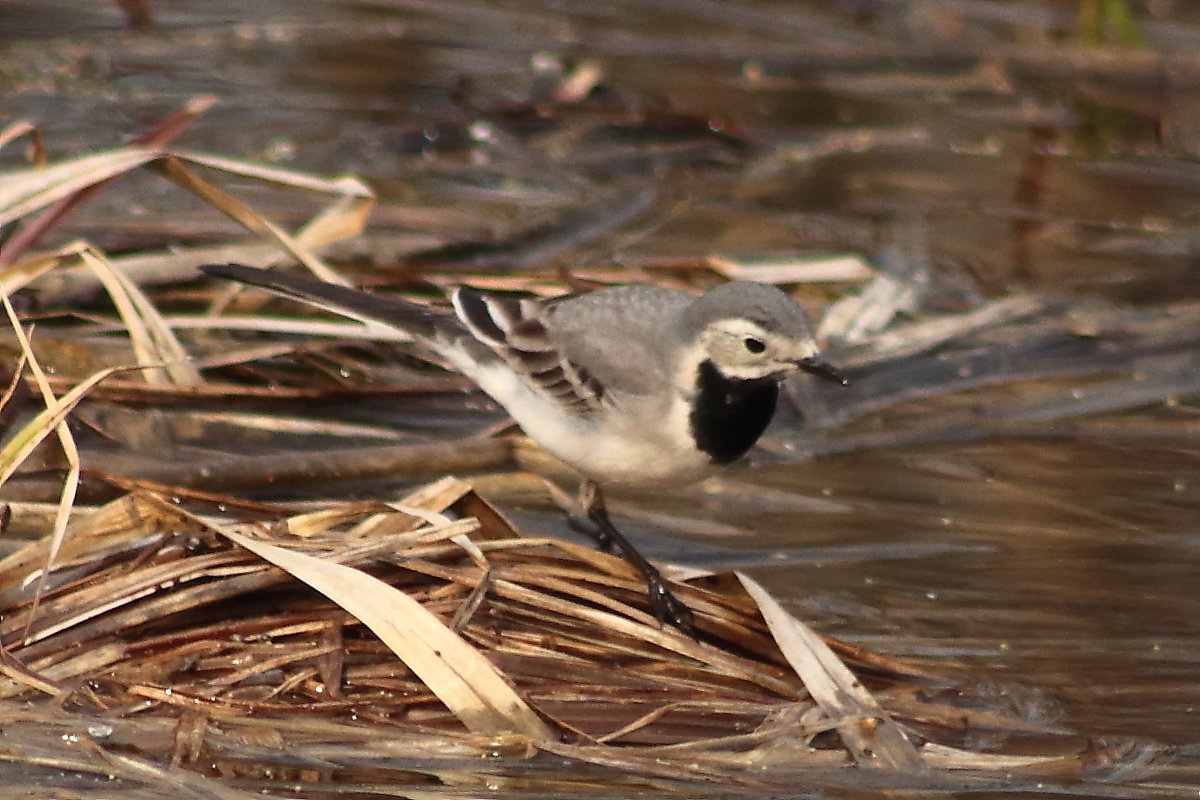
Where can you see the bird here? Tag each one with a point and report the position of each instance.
(629, 385)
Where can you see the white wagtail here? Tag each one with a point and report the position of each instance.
(636, 385)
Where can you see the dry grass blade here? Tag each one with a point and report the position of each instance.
(173, 167)
(25, 191)
(66, 442)
(911, 338)
(154, 138)
(866, 728)
(456, 672)
(34, 433)
(18, 373)
(21, 677)
(18, 448)
(828, 269)
(153, 340)
(16, 130)
(346, 185)
(58, 679)
(287, 326)
(16, 275)
(122, 516)
(344, 219)
(60, 187)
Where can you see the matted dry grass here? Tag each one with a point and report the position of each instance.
(348, 634)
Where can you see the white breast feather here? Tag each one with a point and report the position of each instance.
(647, 443)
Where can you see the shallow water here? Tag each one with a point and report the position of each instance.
(1058, 567)
(1052, 560)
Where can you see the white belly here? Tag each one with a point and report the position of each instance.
(654, 453)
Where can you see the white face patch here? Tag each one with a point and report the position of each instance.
(743, 349)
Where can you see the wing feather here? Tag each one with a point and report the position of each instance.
(514, 330)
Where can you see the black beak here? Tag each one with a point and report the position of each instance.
(815, 365)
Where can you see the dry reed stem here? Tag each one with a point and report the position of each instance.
(65, 441)
(57, 189)
(157, 613)
(866, 729)
(19, 128)
(560, 622)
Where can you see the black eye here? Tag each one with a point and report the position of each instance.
(754, 345)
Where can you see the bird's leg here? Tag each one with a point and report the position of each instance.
(576, 521)
(667, 608)
(586, 526)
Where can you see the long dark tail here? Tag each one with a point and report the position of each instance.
(422, 323)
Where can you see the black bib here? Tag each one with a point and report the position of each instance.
(728, 415)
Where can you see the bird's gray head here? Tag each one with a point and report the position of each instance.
(752, 330)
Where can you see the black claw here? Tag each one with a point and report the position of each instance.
(668, 609)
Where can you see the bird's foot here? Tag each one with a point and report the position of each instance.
(669, 609)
